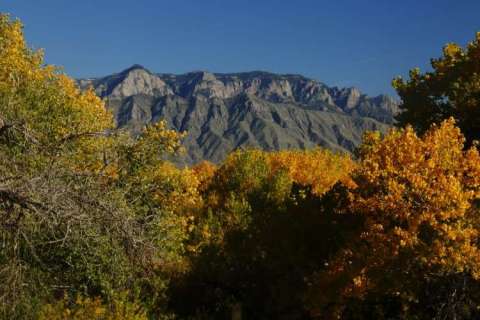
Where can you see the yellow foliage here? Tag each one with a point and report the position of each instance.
(416, 193)
(318, 168)
(85, 308)
(157, 134)
(177, 188)
(47, 105)
(416, 197)
(246, 178)
(57, 145)
(204, 171)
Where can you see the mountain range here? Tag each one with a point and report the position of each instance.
(222, 112)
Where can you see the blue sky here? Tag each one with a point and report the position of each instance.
(340, 42)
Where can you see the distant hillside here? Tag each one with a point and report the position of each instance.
(223, 112)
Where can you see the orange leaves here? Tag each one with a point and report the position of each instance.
(204, 172)
(417, 198)
(408, 184)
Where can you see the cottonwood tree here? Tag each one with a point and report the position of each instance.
(451, 89)
(261, 230)
(84, 209)
(417, 198)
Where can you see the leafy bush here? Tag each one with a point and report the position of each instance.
(85, 308)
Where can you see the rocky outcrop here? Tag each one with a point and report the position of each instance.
(223, 112)
(132, 81)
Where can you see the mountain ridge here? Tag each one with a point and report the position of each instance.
(225, 111)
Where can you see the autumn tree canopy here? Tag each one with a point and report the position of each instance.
(451, 89)
(74, 220)
(417, 200)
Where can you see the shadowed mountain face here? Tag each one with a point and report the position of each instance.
(223, 112)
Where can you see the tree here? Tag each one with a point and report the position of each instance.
(451, 89)
(417, 198)
(261, 230)
(47, 133)
(85, 210)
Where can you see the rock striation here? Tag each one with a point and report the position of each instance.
(223, 112)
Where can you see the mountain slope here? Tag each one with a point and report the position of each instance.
(223, 112)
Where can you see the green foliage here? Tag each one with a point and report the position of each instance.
(263, 230)
(120, 307)
(451, 89)
(81, 213)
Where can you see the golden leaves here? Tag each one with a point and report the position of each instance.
(65, 122)
(408, 184)
(318, 168)
(452, 51)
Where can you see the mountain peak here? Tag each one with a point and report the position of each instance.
(135, 67)
(135, 80)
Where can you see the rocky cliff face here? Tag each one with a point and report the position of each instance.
(223, 112)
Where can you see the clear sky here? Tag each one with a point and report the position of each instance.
(362, 43)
